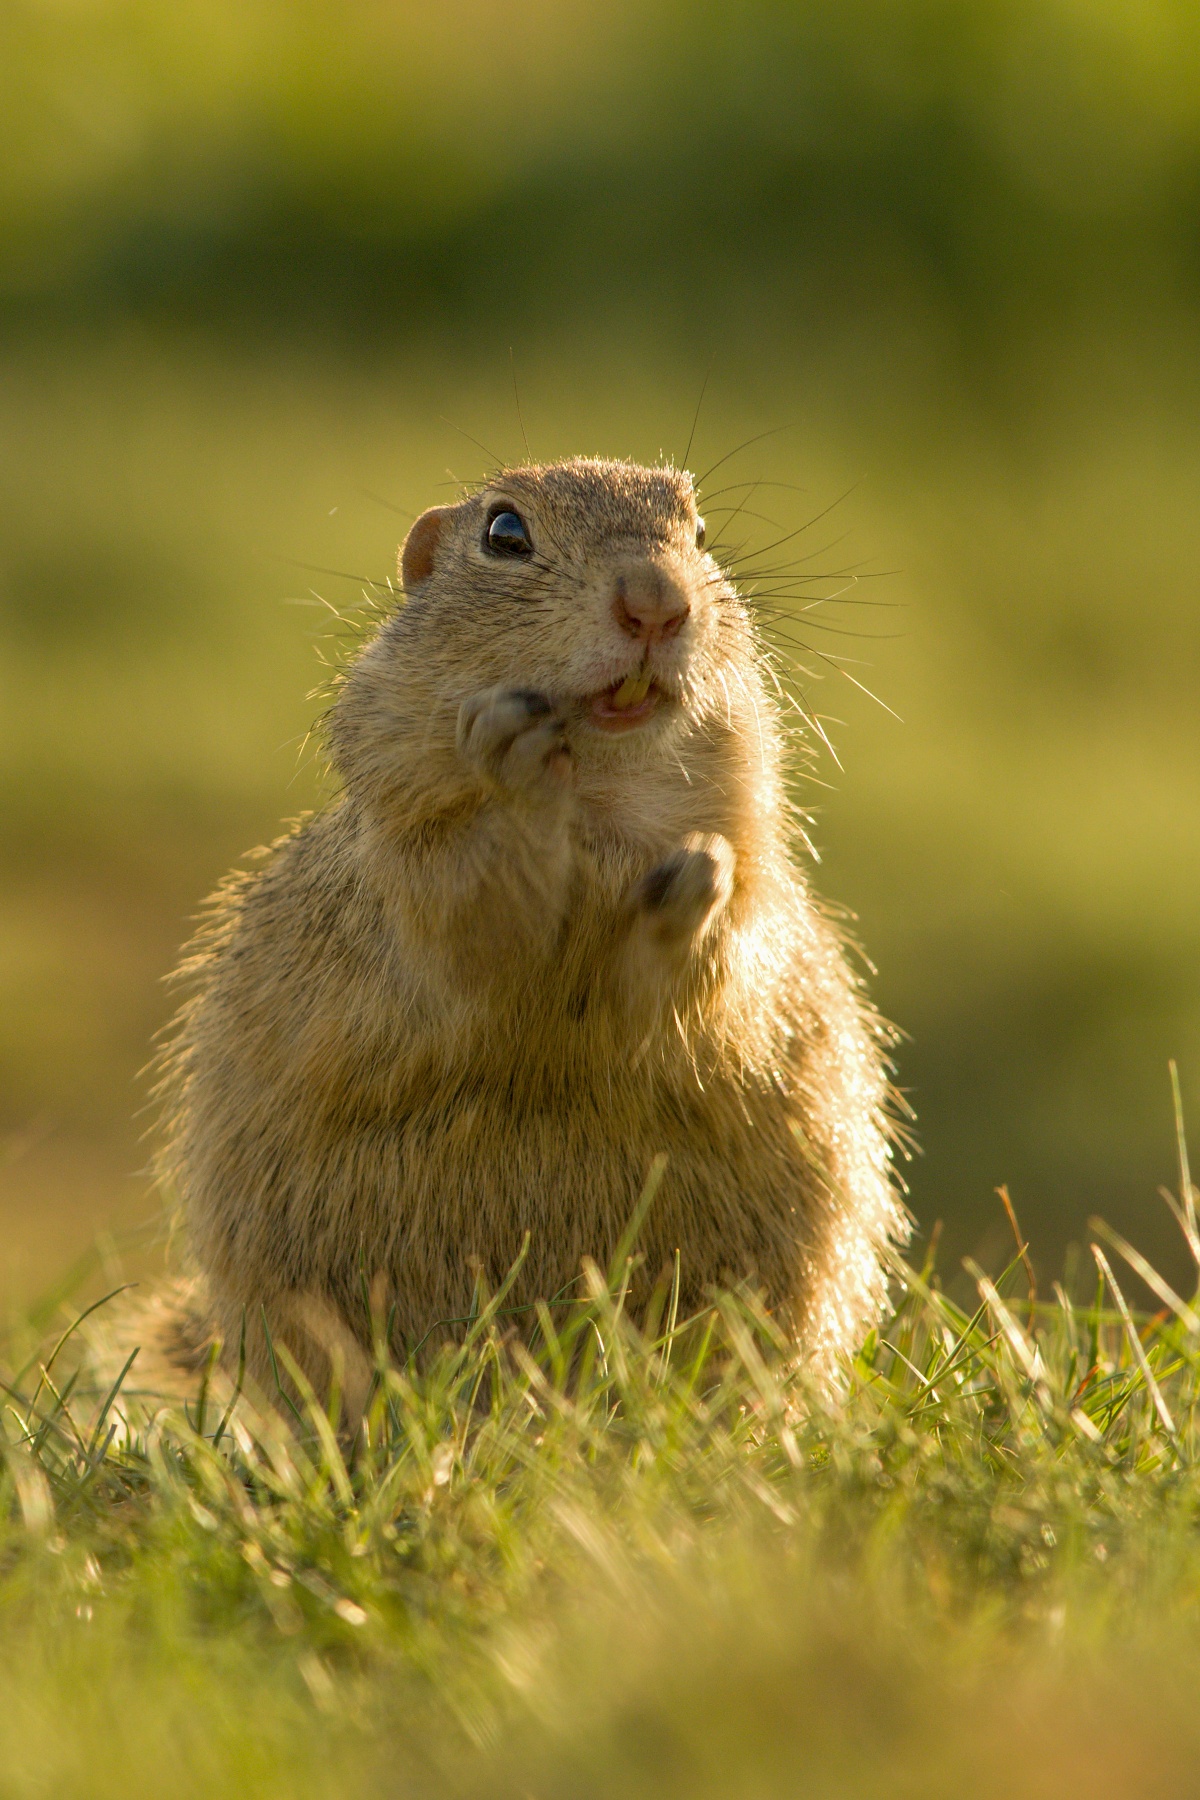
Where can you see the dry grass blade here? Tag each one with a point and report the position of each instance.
(1187, 1193)
(1022, 1250)
(1135, 1344)
(1027, 1353)
(1149, 1274)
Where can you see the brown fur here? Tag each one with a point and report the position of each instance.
(519, 956)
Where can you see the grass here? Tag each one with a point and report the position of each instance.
(618, 1562)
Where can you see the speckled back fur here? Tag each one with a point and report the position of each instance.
(521, 955)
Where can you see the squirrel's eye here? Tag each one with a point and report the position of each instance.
(507, 536)
(699, 534)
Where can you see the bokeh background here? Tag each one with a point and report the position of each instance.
(267, 271)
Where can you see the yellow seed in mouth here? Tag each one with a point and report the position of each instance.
(632, 689)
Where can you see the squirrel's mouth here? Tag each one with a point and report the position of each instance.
(626, 704)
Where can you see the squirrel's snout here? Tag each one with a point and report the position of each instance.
(649, 604)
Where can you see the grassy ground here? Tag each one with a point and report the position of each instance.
(624, 1564)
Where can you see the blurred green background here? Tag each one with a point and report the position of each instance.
(262, 265)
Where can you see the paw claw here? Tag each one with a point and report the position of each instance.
(514, 737)
(682, 892)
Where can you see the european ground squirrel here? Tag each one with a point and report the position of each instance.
(553, 927)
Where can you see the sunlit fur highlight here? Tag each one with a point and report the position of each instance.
(442, 1014)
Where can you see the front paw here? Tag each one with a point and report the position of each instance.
(515, 739)
(682, 894)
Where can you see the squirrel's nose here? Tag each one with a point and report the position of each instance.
(649, 605)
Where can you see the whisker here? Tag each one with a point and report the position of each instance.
(746, 513)
(791, 571)
(389, 586)
(862, 687)
(822, 550)
(516, 396)
(389, 504)
(730, 454)
(497, 462)
(696, 419)
(773, 623)
(761, 481)
(808, 525)
(798, 606)
(739, 509)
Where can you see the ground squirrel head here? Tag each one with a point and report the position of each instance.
(587, 581)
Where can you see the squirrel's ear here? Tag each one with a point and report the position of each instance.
(418, 552)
